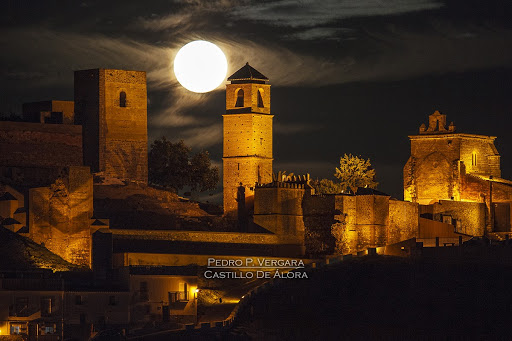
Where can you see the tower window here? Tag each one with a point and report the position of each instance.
(260, 98)
(473, 159)
(239, 98)
(122, 99)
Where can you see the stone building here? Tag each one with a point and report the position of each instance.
(46, 185)
(455, 169)
(111, 107)
(247, 149)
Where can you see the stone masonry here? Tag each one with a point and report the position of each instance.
(111, 105)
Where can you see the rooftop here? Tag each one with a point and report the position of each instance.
(247, 73)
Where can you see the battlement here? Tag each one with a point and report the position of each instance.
(283, 180)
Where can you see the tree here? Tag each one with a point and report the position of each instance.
(326, 186)
(202, 175)
(172, 166)
(355, 172)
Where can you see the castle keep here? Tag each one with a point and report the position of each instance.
(111, 106)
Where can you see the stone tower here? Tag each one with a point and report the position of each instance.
(247, 153)
(111, 106)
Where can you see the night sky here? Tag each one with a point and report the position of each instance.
(348, 76)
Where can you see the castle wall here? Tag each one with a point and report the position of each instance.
(25, 144)
(403, 221)
(319, 217)
(471, 215)
(202, 236)
(279, 210)
(59, 215)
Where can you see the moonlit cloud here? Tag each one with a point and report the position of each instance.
(308, 13)
(202, 137)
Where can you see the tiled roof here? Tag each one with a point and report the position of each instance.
(247, 72)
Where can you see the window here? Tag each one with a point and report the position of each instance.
(79, 300)
(239, 98)
(260, 98)
(112, 300)
(122, 99)
(49, 329)
(473, 159)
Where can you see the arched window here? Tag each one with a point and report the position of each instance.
(122, 99)
(260, 98)
(239, 98)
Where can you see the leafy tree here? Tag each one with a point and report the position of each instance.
(172, 166)
(202, 175)
(326, 186)
(355, 172)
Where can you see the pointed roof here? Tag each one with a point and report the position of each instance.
(247, 73)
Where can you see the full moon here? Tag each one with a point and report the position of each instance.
(200, 66)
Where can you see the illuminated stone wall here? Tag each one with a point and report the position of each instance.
(59, 215)
(471, 215)
(279, 210)
(245, 170)
(112, 107)
(336, 224)
(25, 144)
(247, 148)
(250, 102)
(403, 221)
(440, 158)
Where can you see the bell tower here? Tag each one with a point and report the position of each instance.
(247, 148)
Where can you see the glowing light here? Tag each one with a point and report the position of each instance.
(197, 290)
(200, 66)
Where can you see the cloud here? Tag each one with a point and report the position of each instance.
(58, 54)
(309, 13)
(202, 137)
(329, 33)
